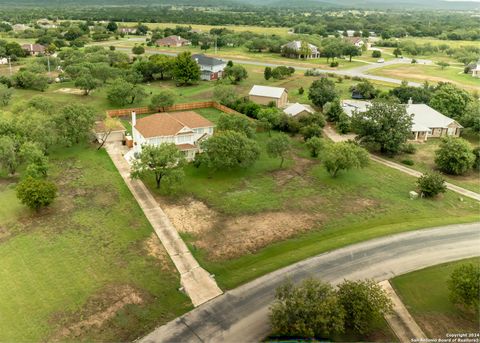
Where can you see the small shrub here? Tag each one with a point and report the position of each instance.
(301, 90)
(408, 162)
(464, 284)
(431, 184)
(409, 148)
(376, 54)
(476, 152)
(36, 193)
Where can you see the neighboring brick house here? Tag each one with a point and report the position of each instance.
(210, 68)
(185, 129)
(33, 49)
(172, 41)
(264, 95)
(300, 49)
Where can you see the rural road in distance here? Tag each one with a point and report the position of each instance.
(358, 71)
(241, 314)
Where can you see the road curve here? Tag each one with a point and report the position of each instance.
(241, 315)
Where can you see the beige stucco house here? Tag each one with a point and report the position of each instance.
(185, 129)
(264, 95)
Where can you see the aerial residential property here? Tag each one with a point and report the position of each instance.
(427, 122)
(33, 49)
(357, 41)
(185, 129)
(265, 95)
(172, 41)
(210, 68)
(224, 171)
(300, 49)
(297, 110)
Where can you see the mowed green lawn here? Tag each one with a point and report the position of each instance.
(426, 295)
(424, 161)
(355, 206)
(71, 263)
(431, 73)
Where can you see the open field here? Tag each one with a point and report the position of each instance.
(88, 268)
(423, 160)
(437, 42)
(280, 31)
(430, 73)
(425, 294)
(242, 224)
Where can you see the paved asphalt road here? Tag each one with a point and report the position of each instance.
(358, 71)
(241, 315)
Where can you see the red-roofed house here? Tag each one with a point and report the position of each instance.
(185, 129)
(357, 41)
(172, 41)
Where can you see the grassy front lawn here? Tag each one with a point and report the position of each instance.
(90, 258)
(431, 73)
(424, 160)
(425, 294)
(242, 224)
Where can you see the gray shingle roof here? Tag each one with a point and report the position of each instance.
(207, 61)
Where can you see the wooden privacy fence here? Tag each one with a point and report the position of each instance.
(178, 107)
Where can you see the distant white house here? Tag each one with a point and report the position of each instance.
(294, 50)
(264, 95)
(476, 70)
(210, 68)
(19, 27)
(185, 129)
(3, 60)
(357, 41)
(427, 122)
(297, 110)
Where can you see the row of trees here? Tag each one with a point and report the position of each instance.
(28, 134)
(315, 310)
(444, 25)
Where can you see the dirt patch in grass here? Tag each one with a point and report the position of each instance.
(190, 216)
(437, 325)
(97, 311)
(236, 236)
(299, 169)
(154, 248)
(69, 91)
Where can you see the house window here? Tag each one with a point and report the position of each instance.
(183, 138)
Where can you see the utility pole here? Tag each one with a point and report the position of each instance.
(10, 65)
(215, 44)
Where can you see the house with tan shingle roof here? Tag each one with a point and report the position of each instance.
(172, 41)
(185, 129)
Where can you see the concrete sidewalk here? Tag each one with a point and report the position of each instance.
(196, 281)
(400, 320)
